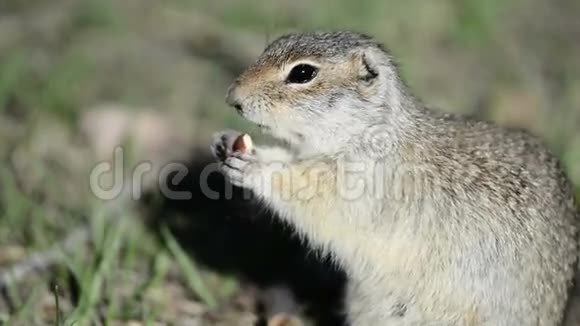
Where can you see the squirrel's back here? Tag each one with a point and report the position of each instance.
(510, 164)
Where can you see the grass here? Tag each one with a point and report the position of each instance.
(189, 269)
(125, 273)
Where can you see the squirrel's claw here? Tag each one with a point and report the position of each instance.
(221, 147)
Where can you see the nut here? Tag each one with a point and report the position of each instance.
(243, 144)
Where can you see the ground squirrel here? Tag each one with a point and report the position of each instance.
(437, 219)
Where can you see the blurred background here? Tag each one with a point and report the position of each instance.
(78, 78)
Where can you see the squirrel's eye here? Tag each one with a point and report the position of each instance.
(301, 74)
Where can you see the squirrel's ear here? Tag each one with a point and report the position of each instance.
(368, 70)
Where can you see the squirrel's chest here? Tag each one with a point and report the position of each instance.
(395, 238)
(395, 253)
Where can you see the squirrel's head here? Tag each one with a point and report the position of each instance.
(316, 90)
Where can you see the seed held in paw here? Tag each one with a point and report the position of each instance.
(243, 144)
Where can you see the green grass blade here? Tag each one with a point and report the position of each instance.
(190, 270)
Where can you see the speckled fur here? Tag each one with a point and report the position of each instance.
(470, 224)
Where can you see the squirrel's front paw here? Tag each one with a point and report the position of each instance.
(242, 169)
(236, 156)
(222, 144)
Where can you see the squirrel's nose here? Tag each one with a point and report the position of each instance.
(232, 98)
